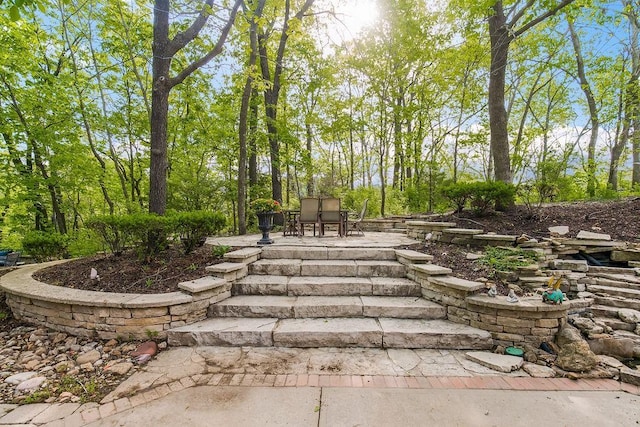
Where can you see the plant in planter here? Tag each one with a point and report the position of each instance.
(265, 210)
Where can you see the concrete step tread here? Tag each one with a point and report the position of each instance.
(611, 290)
(331, 332)
(259, 284)
(617, 302)
(327, 306)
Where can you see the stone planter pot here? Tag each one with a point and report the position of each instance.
(265, 224)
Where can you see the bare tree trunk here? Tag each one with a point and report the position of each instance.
(593, 112)
(243, 119)
(500, 40)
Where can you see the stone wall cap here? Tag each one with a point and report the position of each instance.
(500, 237)
(413, 255)
(431, 269)
(525, 304)
(243, 253)
(463, 231)
(457, 283)
(202, 284)
(225, 267)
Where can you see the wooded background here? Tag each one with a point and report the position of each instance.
(112, 107)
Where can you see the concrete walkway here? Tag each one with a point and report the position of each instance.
(337, 387)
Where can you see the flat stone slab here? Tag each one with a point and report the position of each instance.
(202, 284)
(439, 334)
(395, 286)
(588, 235)
(628, 255)
(277, 267)
(463, 231)
(260, 284)
(225, 267)
(382, 254)
(538, 371)
(346, 268)
(495, 237)
(497, 362)
(570, 264)
(225, 331)
(254, 306)
(367, 268)
(329, 285)
(402, 307)
(328, 306)
(559, 230)
(293, 252)
(431, 269)
(458, 283)
(242, 255)
(323, 332)
(435, 225)
(593, 242)
(412, 257)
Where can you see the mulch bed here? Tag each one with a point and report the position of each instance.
(126, 273)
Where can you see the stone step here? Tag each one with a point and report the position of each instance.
(325, 286)
(599, 271)
(615, 324)
(343, 268)
(327, 253)
(614, 291)
(331, 332)
(617, 301)
(602, 311)
(602, 281)
(326, 306)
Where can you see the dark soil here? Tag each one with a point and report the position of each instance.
(619, 218)
(126, 273)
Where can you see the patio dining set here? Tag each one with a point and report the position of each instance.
(318, 212)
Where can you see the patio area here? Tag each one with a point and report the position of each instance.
(369, 240)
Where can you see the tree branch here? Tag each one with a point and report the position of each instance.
(542, 17)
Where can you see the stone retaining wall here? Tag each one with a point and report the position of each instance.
(529, 321)
(108, 315)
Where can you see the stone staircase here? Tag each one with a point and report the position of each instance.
(327, 297)
(614, 289)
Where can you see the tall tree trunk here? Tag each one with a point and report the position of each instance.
(500, 41)
(244, 113)
(593, 112)
(272, 93)
(253, 149)
(164, 49)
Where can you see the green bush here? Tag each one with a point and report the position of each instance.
(45, 246)
(149, 233)
(110, 230)
(491, 194)
(193, 227)
(457, 193)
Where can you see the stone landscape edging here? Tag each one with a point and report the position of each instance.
(103, 314)
(528, 321)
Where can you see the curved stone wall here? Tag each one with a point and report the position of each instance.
(108, 315)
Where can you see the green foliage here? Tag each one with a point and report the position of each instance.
(45, 246)
(490, 194)
(507, 259)
(266, 205)
(110, 230)
(38, 396)
(480, 195)
(148, 232)
(193, 227)
(457, 193)
(219, 250)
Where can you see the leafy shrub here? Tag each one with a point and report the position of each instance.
(218, 251)
(507, 259)
(45, 246)
(487, 195)
(148, 232)
(193, 227)
(110, 230)
(457, 193)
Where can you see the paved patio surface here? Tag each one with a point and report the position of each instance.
(369, 240)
